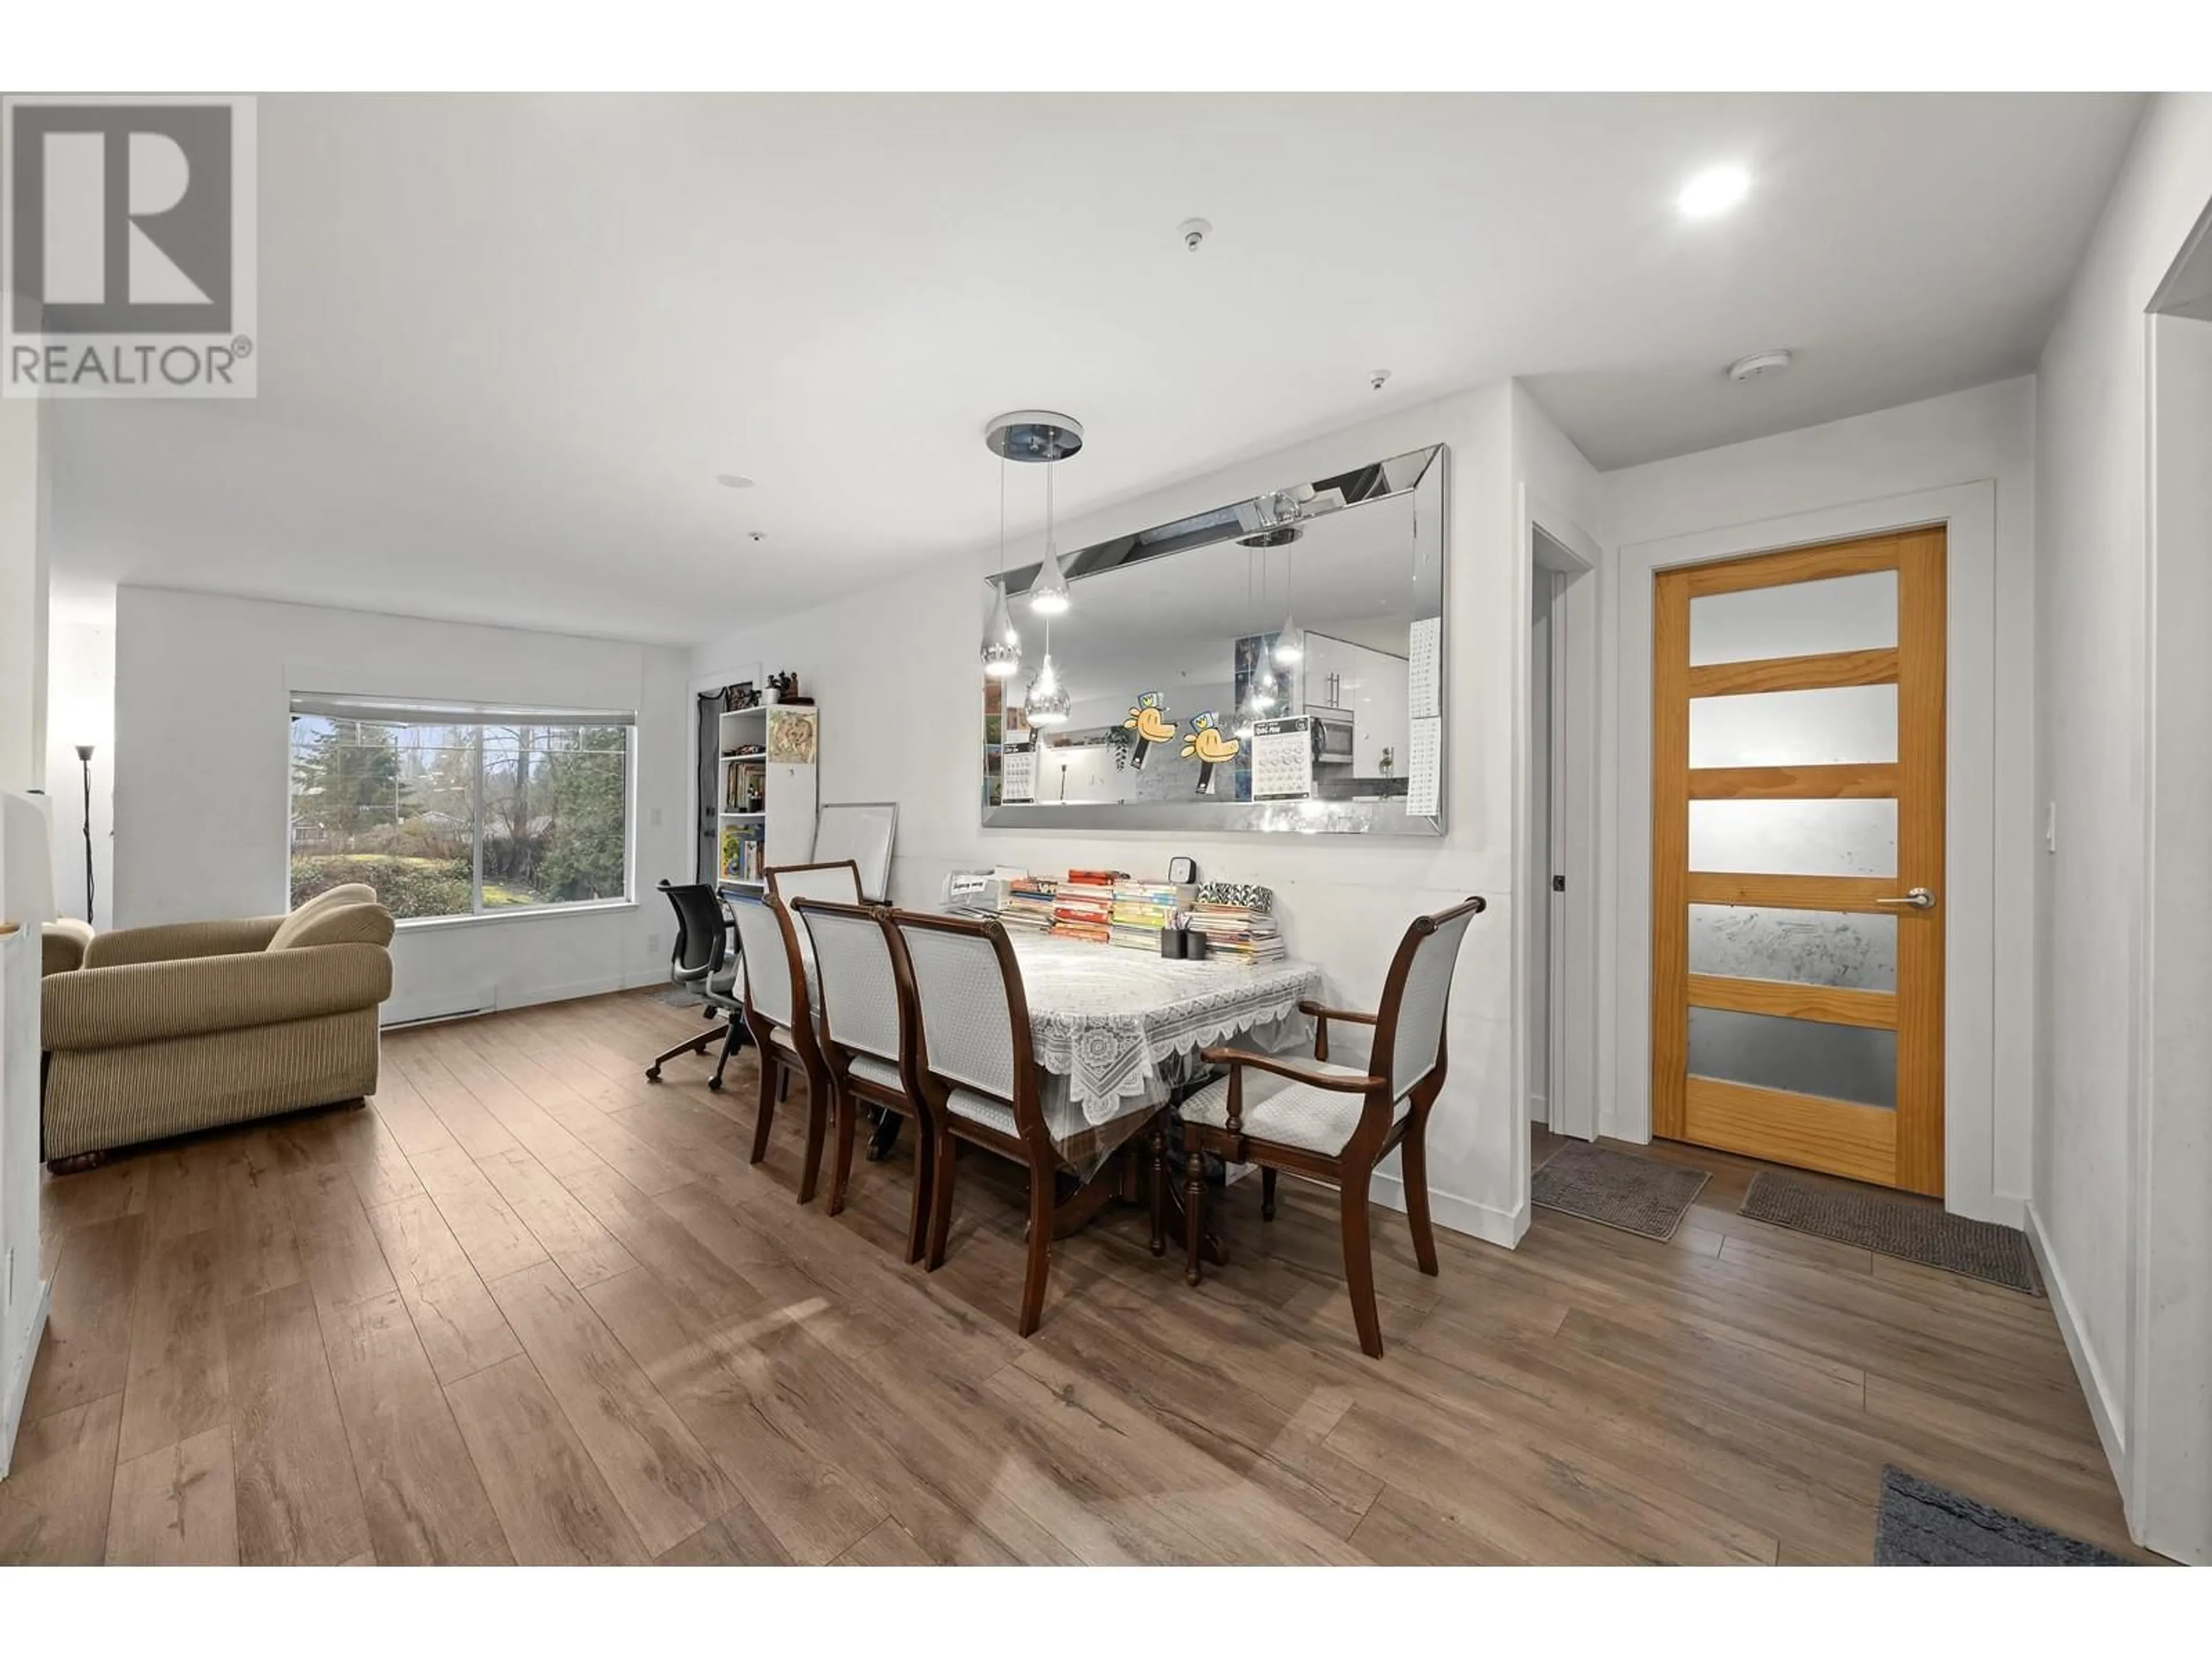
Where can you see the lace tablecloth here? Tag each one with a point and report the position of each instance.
(1110, 1021)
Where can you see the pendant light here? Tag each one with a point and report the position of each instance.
(1263, 686)
(1046, 702)
(1046, 436)
(1290, 644)
(1250, 709)
(1002, 646)
(1050, 596)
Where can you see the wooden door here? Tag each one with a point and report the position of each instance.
(1797, 858)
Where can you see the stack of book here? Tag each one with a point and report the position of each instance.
(1028, 903)
(1238, 920)
(1142, 909)
(1083, 905)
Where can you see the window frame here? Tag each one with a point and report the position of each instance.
(407, 712)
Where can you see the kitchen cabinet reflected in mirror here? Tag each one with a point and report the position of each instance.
(1190, 705)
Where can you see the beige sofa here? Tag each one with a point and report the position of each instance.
(163, 1030)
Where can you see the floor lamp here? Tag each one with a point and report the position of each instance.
(85, 758)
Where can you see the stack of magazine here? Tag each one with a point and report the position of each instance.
(1083, 905)
(1143, 908)
(1028, 903)
(1238, 920)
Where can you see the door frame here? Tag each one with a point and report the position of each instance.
(1967, 511)
(1572, 1099)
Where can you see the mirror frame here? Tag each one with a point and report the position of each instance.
(1422, 473)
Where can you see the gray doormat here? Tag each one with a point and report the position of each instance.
(1895, 1226)
(1639, 1196)
(1921, 1524)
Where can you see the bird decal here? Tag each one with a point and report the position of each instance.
(1211, 745)
(1148, 719)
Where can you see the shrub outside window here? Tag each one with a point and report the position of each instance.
(455, 812)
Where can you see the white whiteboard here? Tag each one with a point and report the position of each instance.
(862, 831)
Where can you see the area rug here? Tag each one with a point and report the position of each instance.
(679, 996)
(1921, 1524)
(1639, 1196)
(1900, 1227)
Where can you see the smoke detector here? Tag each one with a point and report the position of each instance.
(1194, 233)
(1758, 363)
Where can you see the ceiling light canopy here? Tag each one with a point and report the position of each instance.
(1713, 191)
(1034, 435)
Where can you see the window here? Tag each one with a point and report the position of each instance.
(454, 811)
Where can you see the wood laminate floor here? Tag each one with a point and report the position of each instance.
(527, 1307)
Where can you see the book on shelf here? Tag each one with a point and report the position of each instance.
(743, 854)
(744, 786)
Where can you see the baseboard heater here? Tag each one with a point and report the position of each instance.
(400, 1014)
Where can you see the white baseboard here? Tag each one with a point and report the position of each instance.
(19, 1386)
(2103, 1409)
(1503, 1228)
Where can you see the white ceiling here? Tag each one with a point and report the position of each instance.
(507, 342)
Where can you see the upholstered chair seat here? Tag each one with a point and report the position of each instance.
(1289, 1113)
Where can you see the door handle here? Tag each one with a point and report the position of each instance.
(1918, 897)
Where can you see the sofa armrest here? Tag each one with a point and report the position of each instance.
(181, 941)
(148, 1001)
(62, 945)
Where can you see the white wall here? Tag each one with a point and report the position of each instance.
(22, 901)
(80, 708)
(895, 671)
(1987, 434)
(2092, 722)
(203, 768)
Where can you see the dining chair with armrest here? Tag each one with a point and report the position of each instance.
(975, 1068)
(867, 1030)
(1335, 1123)
(782, 1025)
(700, 959)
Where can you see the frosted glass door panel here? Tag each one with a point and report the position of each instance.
(1798, 619)
(1805, 947)
(1804, 1056)
(1827, 728)
(1795, 837)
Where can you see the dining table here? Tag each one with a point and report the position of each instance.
(1116, 1031)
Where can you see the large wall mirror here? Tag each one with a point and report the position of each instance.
(1188, 705)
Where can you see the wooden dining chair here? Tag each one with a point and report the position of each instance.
(867, 1028)
(838, 880)
(1335, 1123)
(974, 1067)
(781, 1028)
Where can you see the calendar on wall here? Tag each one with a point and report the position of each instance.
(1282, 759)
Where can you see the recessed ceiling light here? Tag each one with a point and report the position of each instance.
(1713, 191)
(733, 481)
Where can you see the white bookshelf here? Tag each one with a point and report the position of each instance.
(765, 807)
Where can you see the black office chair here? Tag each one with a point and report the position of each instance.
(702, 949)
